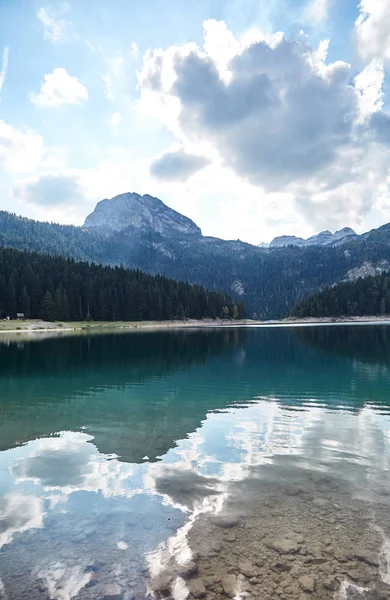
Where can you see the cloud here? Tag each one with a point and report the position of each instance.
(380, 123)
(115, 118)
(60, 88)
(107, 87)
(134, 49)
(20, 151)
(278, 115)
(4, 67)
(51, 190)
(115, 77)
(55, 30)
(372, 29)
(317, 11)
(177, 166)
(368, 85)
(278, 118)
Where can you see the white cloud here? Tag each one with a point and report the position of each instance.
(108, 87)
(55, 30)
(278, 115)
(134, 49)
(93, 47)
(21, 152)
(60, 88)
(317, 11)
(372, 29)
(368, 85)
(115, 118)
(114, 79)
(4, 67)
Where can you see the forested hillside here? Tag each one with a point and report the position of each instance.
(369, 296)
(52, 288)
(269, 281)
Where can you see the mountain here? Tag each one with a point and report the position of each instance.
(142, 213)
(286, 240)
(141, 232)
(324, 238)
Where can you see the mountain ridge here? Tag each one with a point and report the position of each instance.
(269, 280)
(324, 238)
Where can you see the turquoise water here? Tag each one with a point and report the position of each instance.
(112, 444)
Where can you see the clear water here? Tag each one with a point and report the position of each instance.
(118, 450)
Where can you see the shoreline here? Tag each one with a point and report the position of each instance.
(37, 326)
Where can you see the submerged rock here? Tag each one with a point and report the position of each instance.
(283, 546)
(229, 584)
(307, 583)
(226, 521)
(113, 591)
(197, 587)
(320, 502)
(162, 583)
(247, 569)
(368, 557)
(188, 569)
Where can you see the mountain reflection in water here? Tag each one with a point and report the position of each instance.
(118, 451)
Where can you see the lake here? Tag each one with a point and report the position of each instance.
(232, 462)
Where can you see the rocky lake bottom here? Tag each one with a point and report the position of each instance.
(308, 539)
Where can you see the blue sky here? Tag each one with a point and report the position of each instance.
(253, 118)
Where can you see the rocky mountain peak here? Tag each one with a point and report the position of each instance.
(140, 212)
(324, 238)
(287, 240)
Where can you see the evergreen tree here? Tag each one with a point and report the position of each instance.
(24, 303)
(48, 309)
(11, 305)
(368, 296)
(54, 288)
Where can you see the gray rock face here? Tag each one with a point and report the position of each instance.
(368, 269)
(140, 212)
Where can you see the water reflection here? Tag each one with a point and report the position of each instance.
(257, 421)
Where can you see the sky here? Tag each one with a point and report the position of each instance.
(255, 118)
